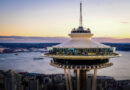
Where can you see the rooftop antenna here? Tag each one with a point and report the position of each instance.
(81, 13)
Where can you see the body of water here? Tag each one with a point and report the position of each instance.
(24, 62)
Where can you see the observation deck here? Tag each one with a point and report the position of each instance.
(81, 47)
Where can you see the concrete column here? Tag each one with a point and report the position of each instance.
(66, 79)
(78, 79)
(94, 80)
(70, 80)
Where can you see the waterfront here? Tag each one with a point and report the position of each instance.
(24, 62)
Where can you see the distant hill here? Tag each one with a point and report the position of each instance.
(27, 45)
(21, 39)
(111, 40)
(119, 46)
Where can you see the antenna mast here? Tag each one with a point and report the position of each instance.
(81, 13)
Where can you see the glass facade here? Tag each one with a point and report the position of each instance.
(82, 51)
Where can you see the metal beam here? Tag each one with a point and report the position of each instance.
(66, 79)
(70, 80)
(78, 79)
(94, 79)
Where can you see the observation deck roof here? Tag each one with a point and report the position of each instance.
(81, 38)
(81, 43)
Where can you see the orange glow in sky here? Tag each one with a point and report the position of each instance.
(105, 18)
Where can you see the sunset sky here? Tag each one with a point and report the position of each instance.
(55, 18)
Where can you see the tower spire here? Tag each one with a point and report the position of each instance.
(80, 13)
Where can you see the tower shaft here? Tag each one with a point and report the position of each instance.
(83, 80)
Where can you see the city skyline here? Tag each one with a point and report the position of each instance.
(56, 18)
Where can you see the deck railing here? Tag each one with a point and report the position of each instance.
(82, 52)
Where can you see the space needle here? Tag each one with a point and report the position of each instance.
(81, 54)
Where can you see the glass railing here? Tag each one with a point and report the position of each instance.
(82, 52)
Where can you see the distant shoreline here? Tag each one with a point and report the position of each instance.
(119, 46)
